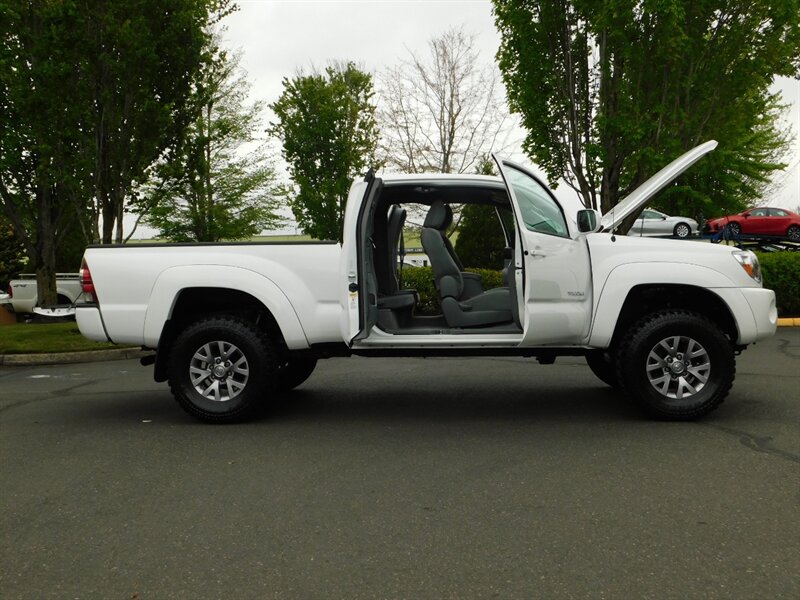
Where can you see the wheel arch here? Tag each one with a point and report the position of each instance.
(648, 298)
(192, 304)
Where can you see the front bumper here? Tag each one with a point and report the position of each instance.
(765, 312)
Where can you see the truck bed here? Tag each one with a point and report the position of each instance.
(137, 285)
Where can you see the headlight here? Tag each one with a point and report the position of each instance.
(749, 262)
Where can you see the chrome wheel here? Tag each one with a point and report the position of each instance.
(678, 367)
(794, 233)
(682, 230)
(219, 371)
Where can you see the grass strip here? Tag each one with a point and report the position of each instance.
(42, 338)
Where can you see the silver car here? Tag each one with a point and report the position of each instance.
(654, 223)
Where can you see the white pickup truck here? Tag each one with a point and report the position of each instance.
(24, 295)
(234, 324)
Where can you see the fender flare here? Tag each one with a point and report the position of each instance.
(169, 284)
(623, 278)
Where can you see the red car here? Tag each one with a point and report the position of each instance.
(764, 220)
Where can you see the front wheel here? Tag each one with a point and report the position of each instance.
(682, 231)
(221, 369)
(677, 364)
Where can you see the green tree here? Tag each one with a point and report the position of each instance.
(145, 57)
(12, 254)
(611, 91)
(45, 108)
(210, 189)
(91, 93)
(481, 241)
(326, 122)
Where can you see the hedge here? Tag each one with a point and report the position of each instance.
(781, 272)
(421, 279)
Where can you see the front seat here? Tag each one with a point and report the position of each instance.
(460, 309)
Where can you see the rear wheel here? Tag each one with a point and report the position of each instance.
(793, 233)
(222, 368)
(677, 364)
(682, 230)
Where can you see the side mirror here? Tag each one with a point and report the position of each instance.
(663, 218)
(588, 220)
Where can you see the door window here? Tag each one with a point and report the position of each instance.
(540, 213)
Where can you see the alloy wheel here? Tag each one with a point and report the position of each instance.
(678, 367)
(219, 371)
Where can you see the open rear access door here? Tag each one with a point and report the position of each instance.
(359, 290)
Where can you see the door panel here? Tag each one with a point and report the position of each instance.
(556, 295)
(358, 291)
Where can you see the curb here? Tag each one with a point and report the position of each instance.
(64, 358)
(789, 322)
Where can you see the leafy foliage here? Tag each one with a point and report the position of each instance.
(91, 94)
(144, 57)
(421, 279)
(781, 272)
(611, 91)
(480, 240)
(210, 189)
(12, 254)
(45, 152)
(326, 122)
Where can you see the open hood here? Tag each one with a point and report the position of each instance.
(644, 193)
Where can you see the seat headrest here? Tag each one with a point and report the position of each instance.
(439, 216)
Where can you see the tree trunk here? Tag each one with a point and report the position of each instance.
(45, 250)
(108, 220)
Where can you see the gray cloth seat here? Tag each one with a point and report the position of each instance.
(463, 303)
(390, 295)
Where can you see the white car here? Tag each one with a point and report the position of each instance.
(655, 223)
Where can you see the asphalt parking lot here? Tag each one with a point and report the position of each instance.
(412, 478)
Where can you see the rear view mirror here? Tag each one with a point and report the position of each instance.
(588, 220)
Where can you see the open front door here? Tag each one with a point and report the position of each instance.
(553, 271)
(358, 294)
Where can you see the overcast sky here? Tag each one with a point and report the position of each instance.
(277, 38)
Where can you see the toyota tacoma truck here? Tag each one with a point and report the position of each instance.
(24, 295)
(234, 324)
